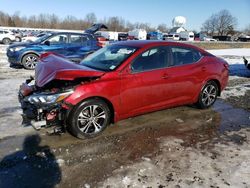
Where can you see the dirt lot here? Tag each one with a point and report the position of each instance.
(178, 147)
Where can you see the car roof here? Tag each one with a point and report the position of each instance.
(64, 32)
(152, 43)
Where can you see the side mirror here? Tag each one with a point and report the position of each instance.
(47, 43)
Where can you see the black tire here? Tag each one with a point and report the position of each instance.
(208, 95)
(6, 41)
(18, 39)
(83, 121)
(29, 61)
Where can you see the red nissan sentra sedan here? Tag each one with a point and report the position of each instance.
(122, 80)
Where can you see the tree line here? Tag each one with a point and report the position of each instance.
(52, 21)
(221, 23)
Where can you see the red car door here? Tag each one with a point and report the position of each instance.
(145, 86)
(185, 74)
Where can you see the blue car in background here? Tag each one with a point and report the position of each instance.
(155, 35)
(73, 46)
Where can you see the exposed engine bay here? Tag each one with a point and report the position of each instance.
(43, 107)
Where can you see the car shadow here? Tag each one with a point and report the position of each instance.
(33, 166)
(16, 66)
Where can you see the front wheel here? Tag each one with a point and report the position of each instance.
(29, 61)
(208, 95)
(89, 118)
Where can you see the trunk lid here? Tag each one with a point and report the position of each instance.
(95, 27)
(52, 67)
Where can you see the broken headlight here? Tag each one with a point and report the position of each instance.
(48, 98)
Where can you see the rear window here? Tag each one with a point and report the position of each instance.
(183, 56)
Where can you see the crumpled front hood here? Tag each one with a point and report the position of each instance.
(52, 67)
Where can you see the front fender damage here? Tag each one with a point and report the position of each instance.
(50, 115)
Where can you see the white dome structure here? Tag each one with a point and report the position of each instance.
(179, 21)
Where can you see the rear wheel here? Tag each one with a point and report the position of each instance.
(29, 61)
(6, 41)
(89, 118)
(208, 95)
(18, 39)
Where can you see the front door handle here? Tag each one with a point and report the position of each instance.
(203, 68)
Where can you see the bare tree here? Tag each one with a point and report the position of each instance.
(163, 28)
(4, 19)
(226, 23)
(222, 23)
(54, 21)
(209, 26)
(247, 30)
(90, 19)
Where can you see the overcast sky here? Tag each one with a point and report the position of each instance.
(153, 12)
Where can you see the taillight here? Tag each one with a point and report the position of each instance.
(100, 44)
(101, 41)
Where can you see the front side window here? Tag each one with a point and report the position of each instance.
(58, 39)
(183, 56)
(108, 58)
(154, 58)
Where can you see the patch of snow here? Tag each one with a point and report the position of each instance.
(231, 52)
(126, 180)
(236, 91)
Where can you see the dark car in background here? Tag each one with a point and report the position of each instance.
(71, 45)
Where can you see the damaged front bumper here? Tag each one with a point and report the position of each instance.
(41, 117)
(42, 109)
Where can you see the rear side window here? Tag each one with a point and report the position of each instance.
(58, 39)
(78, 39)
(183, 56)
(154, 58)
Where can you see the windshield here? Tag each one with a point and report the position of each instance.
(41, 39)
(108, 58)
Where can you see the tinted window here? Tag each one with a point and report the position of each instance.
(58, 39)
(154, 58)
(108, 58)
(182, 56)
(78, 39)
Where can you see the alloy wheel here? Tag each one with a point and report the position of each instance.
(31, 61)
(209, 95)
(91, 119)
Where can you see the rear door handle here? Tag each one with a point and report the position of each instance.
(165, 76)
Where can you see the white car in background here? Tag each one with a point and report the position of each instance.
(6, 37)
(209, 39)
(32, 38)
